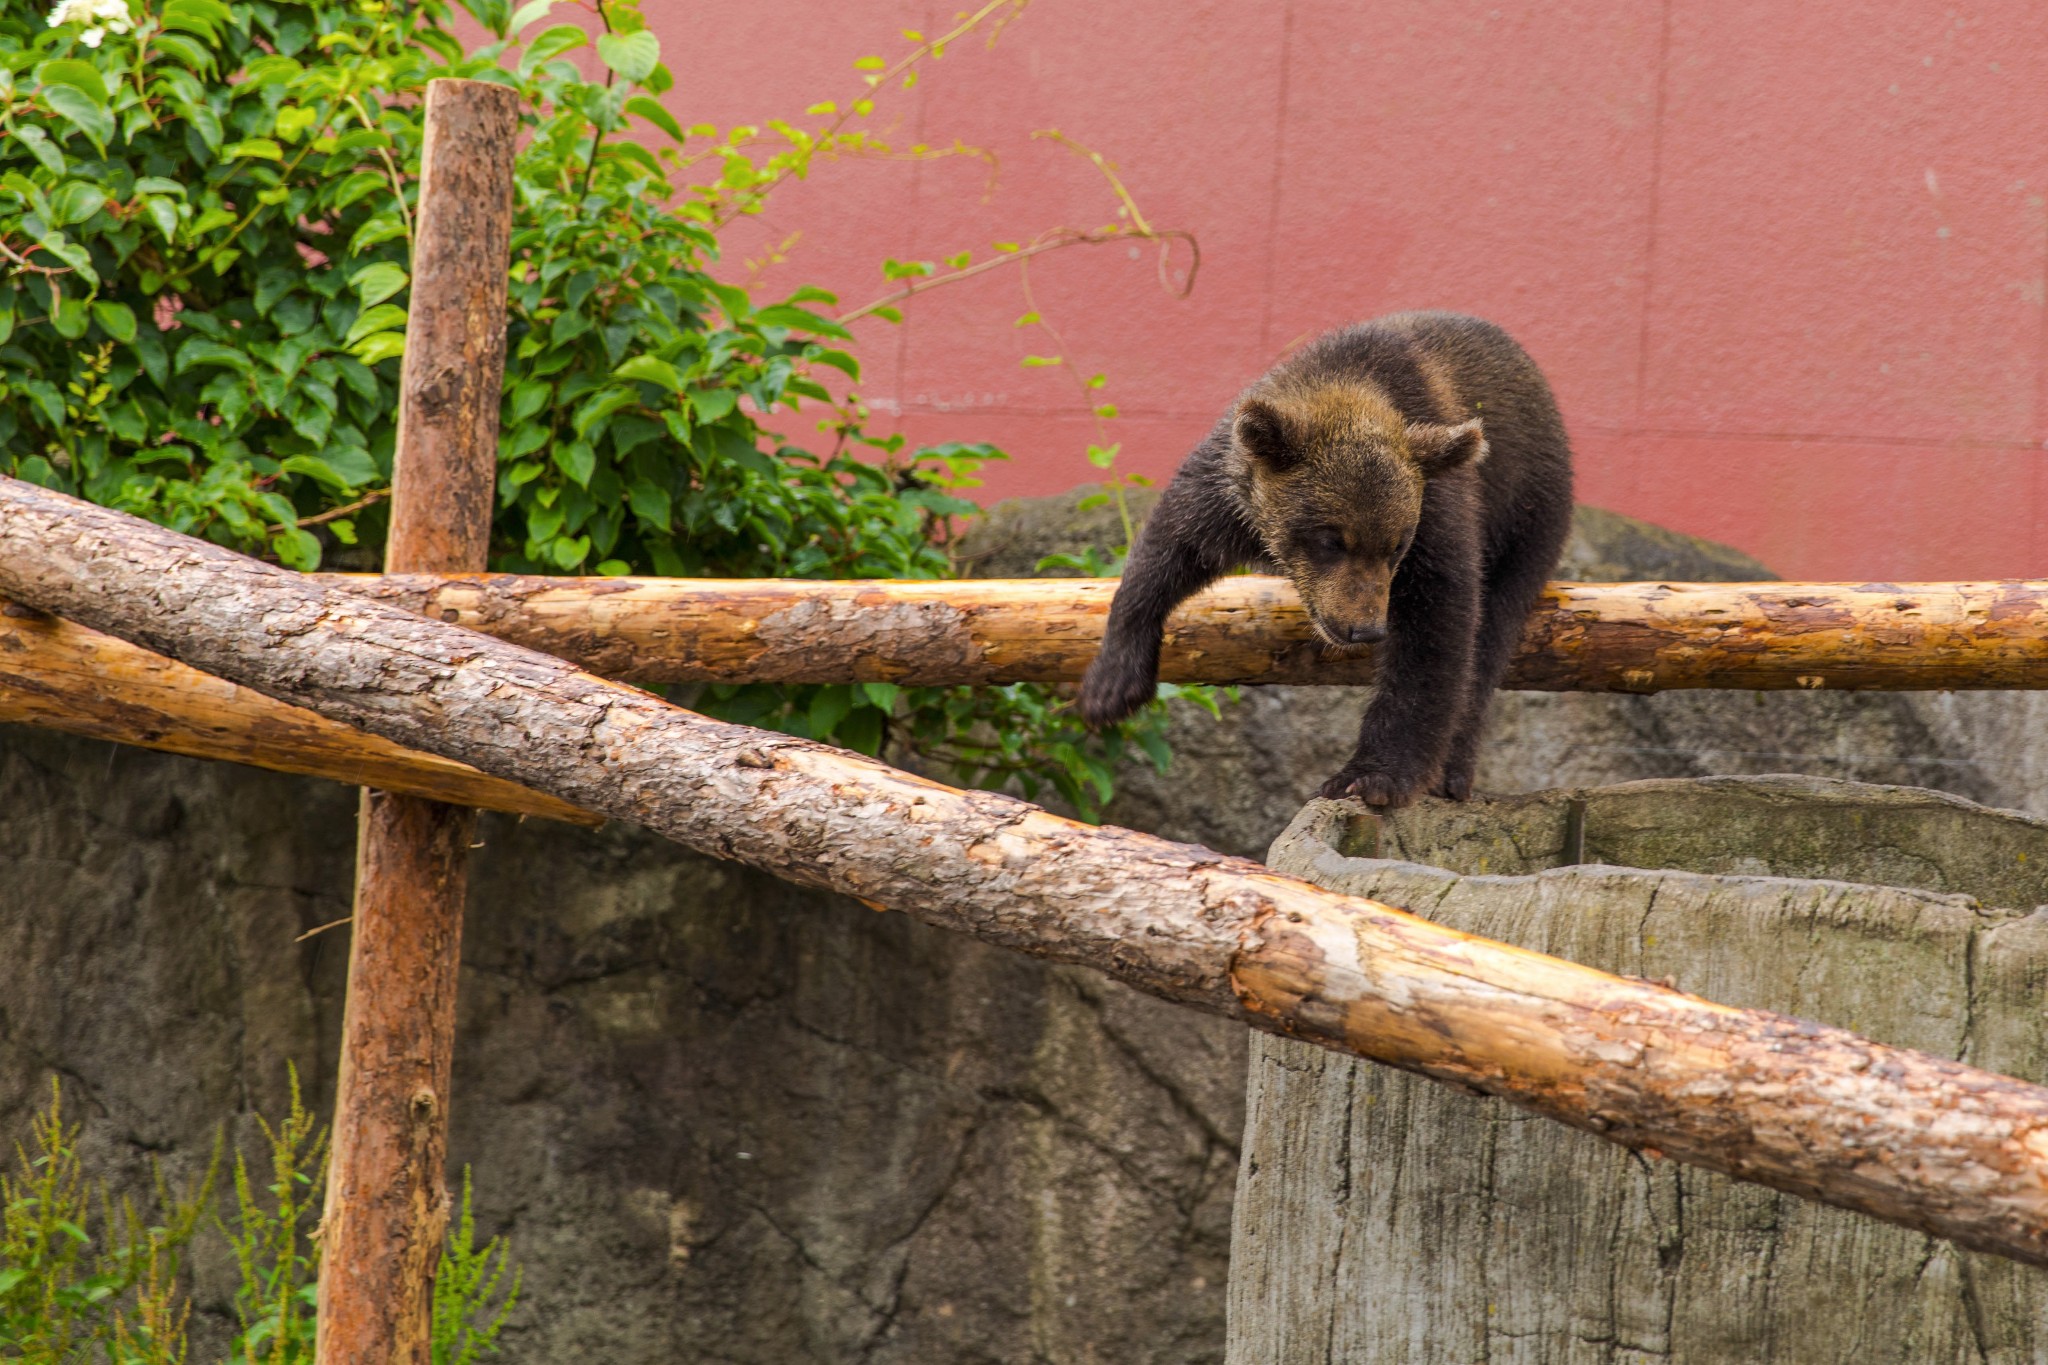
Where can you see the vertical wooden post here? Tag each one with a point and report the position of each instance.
(386, 1211)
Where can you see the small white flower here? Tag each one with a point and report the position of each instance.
(104, 16)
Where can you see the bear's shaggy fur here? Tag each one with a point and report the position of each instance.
(1411, 476)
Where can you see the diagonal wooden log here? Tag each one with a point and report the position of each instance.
(62, 676)
(1586, 637)
(1916, 1140)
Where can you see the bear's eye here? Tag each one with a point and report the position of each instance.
(1323, 542)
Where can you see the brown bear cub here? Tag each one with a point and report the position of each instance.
(1411, 475)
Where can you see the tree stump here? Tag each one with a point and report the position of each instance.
(1381, 1218)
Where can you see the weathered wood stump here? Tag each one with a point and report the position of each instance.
(1381, 1218)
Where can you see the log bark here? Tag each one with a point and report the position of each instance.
(1640, 637)
(64, 677)
(387, 1200)
(1583, 637)
(1902, 1136)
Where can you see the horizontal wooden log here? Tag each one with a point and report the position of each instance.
(1900, 1135)
(63, 676)
(1591, 637)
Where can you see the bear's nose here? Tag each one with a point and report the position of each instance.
(1366, 635)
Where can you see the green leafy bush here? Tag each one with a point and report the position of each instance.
(205, 215)
(84, 1281)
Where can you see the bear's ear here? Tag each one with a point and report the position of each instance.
(1262, 432)
(1440, 449)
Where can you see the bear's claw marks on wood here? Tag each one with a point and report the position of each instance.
(1800, 1107)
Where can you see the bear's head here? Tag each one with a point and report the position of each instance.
(1334, 477)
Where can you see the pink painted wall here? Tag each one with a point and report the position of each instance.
(1783, 261)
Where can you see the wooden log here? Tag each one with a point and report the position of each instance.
(1902, 1136)
(64, 677)
(1584, 637)
(387, 1199)
(1641, 637)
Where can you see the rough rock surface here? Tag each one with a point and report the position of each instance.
(949, 1155)
(1386, 1219)
(720, 1118)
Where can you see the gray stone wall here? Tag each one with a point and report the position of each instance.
(725, 1120)
(721, 1119)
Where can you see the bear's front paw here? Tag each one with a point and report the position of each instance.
(1373, 785)
(1455, 785)
(1112, 689)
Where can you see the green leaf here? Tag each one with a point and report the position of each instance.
(652, 111)
(355, 187)
(117, 318)
(632, 55)
(577, 460)
(317, 469)
(293, 120)
(187, 52)
(838, 360)
(298, 549)
(199, 350)
(272, 285)
(202, 17)
(731, 298)
(549, 45)
(75, 201)
(149, 349)
(375, 283)
(828, 707)
(527, 15)
(353, 464)
(711, 404)
(653, 371)
(41, 148)
(72, 318)
(89, 118)
(361, 140)
(529, 397)
(650, 504)
(379, 346)
(164, 214)
(83, 77)
(256, 148)
(787, 315)
(384, 317)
